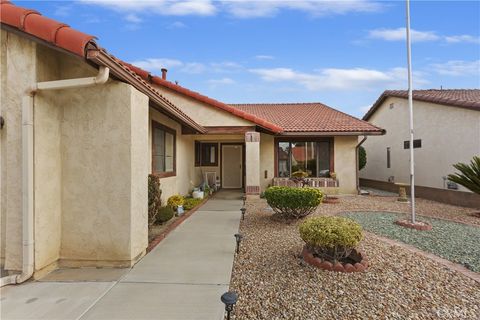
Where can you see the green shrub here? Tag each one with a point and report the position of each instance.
(175, 201)
(331, 238)
(165, 214)
(291, 202)
(190, 203)
(154, 198)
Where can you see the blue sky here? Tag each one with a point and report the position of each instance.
(341, 53)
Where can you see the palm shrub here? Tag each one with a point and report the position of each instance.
(154, 198)
(331, 238)
(469, 175)
(290, 202)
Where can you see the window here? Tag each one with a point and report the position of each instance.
(312, 157)
(417, 143)
(206, 154)
(163, 150)
(388, 157)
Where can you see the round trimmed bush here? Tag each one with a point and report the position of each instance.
(164, 214)
(175, 201)
(331, 238)
(291, 202)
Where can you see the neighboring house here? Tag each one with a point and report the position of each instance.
(446, 131)
(74, 169)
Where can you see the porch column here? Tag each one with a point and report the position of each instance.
(252, 163)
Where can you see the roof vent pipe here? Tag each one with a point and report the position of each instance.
(164, 74)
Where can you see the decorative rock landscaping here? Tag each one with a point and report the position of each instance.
(450, 240)
(274, 282)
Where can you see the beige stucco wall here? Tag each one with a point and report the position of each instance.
(345, 163)
(202, 113)
(100, 191)
(18, 73)
(91, 161)
(48, 162)
(449, 135)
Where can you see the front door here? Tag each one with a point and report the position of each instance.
(232, 166)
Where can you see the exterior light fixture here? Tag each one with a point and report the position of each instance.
(229, 299)
(238, 238)
(243, 212)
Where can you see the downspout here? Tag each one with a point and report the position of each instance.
(28, 167)
(356, 163)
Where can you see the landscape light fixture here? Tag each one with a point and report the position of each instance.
(244, 198)
(243, 212)
(229, 299)
(238, 238)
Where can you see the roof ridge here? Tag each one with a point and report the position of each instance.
(274, 103)
(432, 96)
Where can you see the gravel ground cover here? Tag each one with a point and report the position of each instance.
(273, 282)
(453, 241)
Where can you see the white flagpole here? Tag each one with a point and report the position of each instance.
(410, 108)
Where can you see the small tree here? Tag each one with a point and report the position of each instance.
(154, 198)
(362, 158)
(469, 175)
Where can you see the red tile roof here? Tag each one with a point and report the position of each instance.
(51, 31)
(460, 98)
(309, 117)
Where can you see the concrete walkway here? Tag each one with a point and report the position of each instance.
(182, 278)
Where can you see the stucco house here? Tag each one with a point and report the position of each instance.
(81, 131)
(446, 131)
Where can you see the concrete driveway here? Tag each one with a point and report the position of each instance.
(182, 278)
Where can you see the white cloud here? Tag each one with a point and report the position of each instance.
(239, 8)
(222, 81)
(177, 25)
(269, 8)
(193, 67)
(133, 18)
(154, 64)
(63, 11)
(161, 7)
(340, 79)
(264, 57)
(462, 38)
(399, 34)
(457, 68)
